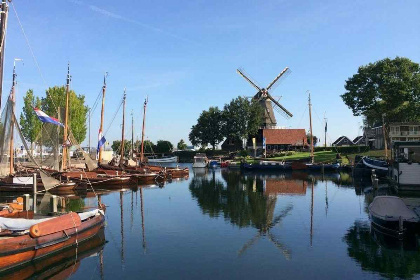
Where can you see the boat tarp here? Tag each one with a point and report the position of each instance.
(25, 224)
(391, 208)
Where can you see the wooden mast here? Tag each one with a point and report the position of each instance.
(122, 132)
(142, 131)
(310, 126)
(66, 122)
(132, 134)
(12, 98)
(3, 21)
(102, 116)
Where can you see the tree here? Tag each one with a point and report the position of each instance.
(388, 86)
(116, 145)
(308, 137)
(242, 118)
(29, 122)
(164, 146)
(56, 98)
(148, 145)
(209, 128)
(181, 145)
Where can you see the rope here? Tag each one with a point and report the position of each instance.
(30, 48)
(95, 104)
(113, 118)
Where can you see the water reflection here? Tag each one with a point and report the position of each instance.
(62, 265)
(246, 201)
(378, 253)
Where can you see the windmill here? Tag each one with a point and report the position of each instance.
(265, 99)
(264, 230)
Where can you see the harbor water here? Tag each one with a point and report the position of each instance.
(224, 224)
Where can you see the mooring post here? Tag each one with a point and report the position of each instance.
(373, 176)
(26, 202)
(53, 202)
(375, 183)
(34, 183)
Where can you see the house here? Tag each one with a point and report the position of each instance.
(278, 139)
(232, 144)
(404, 131)
(374, 137)
(359, 140)
(398, 131)
(343, 141)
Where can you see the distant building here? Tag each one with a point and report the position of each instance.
(232, 144)
(408, 131)
(398, 131)
(278, 139)
(374, 137)
(343, 141)
(359, 140)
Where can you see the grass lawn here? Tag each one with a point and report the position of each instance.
(329, 156)
(323, 156)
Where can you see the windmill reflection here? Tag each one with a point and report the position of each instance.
(264, 230)
(246, 201)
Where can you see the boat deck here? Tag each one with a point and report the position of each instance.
(413, 203)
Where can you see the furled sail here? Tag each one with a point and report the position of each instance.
(6, 122)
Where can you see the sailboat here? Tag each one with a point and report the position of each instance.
(18, 178)
(172, 172)
(312, 166)
(95, 176)
(141, 174)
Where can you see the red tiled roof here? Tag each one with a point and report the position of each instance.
(285, 136)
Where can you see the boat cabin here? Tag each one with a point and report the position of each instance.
(405, 169)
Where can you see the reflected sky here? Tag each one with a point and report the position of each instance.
(224, 224)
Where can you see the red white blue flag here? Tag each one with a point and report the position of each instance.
(45, 118)
(101, 141)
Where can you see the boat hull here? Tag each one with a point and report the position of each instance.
(163, 160)
(19, 250)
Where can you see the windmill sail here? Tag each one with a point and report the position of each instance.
(266, 100)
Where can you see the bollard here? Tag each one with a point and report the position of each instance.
(26, 202)
(53, 203)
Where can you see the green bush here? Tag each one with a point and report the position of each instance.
(243, 153)
(344, 149)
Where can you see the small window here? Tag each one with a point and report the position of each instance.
(268, 147)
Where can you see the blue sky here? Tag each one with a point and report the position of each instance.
(183, 55)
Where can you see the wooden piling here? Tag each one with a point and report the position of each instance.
(26, 202)
(53, 203)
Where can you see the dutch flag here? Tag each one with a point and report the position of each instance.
(101, 141)
(45, 118)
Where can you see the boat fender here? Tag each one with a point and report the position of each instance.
(60, 223)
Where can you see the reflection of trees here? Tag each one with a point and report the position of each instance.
(235, 200)
(375, 253)
(242, 202)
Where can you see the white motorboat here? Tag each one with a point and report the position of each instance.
(166, 159)
(200, 161)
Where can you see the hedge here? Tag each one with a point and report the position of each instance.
(343, 149)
